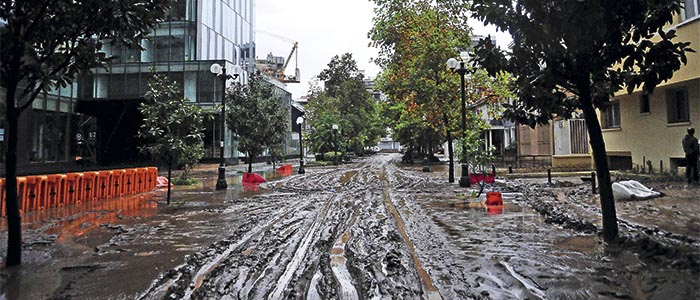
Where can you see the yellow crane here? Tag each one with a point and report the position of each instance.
(279, 74)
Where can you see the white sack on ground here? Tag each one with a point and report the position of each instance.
(630, 189)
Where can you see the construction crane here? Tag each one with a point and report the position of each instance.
(279, 73)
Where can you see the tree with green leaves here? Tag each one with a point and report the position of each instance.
(257, 118)
(415, 39)
(572, 55)
(44, 45)
(173, 127)
(345, 102)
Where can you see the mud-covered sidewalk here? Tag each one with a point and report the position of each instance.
(373, 229)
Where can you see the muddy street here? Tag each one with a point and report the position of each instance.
(373, 230)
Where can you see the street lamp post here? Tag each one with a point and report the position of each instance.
(461, 68)
(220, 72)
(335, 142)
(300, 122)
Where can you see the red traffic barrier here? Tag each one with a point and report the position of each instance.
(494, 198)
(252, 178)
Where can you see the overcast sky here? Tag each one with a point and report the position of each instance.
(323, 28)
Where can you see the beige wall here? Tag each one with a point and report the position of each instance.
(649, 135)
(689, 32)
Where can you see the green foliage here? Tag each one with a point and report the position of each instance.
(569, 53)
(183, 179)
(572, 55)
(332, 156)
(172, 126)
(416, 38)
(344, 102)
(257, 118)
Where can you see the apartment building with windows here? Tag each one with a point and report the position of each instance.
(646, 129)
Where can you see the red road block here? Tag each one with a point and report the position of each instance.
(72, 188)
(117, 182)
(55, 189)
(89, 188)
(104, 183)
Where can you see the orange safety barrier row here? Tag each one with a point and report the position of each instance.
(39, 192)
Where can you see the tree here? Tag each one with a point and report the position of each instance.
(415, 39)
(45, 45)
(575, 55)
(257, 118)
(172, 126)
(343, 101)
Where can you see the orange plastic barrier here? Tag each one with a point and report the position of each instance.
(73, 187)
(33, 195)
(3, 209)
(151, 176)
(21, 186)
(43, 191)
(129, 182)
(89, 188)
(104, 184)
(117, 182)
(55, 189)
(141, 180)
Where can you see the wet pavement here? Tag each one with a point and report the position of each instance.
(373, 229)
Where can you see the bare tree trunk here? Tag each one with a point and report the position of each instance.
(250, 163)
(14, 221)
(607, 202)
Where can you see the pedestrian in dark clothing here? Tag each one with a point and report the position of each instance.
(690, 147)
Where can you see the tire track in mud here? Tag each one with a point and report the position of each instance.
(432, 291)
(329, 234)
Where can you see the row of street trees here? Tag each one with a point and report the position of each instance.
(567, 56)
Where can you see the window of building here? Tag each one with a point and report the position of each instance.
(677, 105)
(644, 103)
(611, 115)
(691, 8)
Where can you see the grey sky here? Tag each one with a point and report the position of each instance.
(323, 28)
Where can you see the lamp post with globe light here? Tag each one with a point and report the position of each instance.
(300, 122)
(461, 68)
(220, 72)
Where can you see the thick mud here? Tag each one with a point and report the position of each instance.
(373, 229)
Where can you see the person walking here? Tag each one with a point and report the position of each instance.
(690, 147)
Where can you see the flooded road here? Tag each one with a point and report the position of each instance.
(367, 230)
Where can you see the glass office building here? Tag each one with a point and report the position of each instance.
(96, 118)
(195, 35)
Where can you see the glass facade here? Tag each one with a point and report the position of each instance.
(196, 35)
